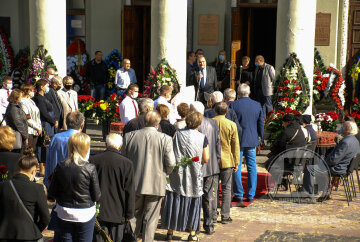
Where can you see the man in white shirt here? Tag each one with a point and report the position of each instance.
(129, 108)
(164, 98)
(124, 77)
(5, 92)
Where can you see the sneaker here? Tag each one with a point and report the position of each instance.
(193, 238)
(226, 220)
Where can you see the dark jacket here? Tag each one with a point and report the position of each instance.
(231, 115)
(251, 120)
(14, 222)
(210, 128)
(289, 139)
(167, 128)
(116, 178)
(16, 119)
(210, 85)
(223, 74)
(312, 132)
(96, 74)
(339, 159)
(10, 160)
(56, 104)
(75, 186)
(47, 115)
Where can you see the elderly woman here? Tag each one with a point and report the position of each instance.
(75, 187)
(32, 114)
(23, 206)
(7, 158)
(166, 126)
(47, 117)
(182, 204)
(183, 109)
(16, 119)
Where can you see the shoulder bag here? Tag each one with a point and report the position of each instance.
(25, 209)
(18, 137)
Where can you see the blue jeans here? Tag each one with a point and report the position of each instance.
(250, 156)
(98, 92)
(72, 231)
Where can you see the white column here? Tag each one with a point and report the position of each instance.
(343, 36)
(168, 35)
(48, 28)
(295, 32)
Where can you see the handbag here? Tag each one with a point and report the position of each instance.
(43, 140)
(129, 235)
(25, 209)
(18, 137)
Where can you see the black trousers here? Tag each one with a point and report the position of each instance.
(115, 231)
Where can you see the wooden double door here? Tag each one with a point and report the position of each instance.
(255, 26)
(136, 39)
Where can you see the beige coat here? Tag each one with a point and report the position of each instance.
(69, 102)
(153, 157)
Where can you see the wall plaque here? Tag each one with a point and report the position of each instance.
(322, 29)
(208, 29)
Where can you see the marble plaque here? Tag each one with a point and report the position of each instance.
(322, 29)
(208, 29)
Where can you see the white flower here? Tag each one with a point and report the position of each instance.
(293, 107)
(298, 92)
(316, 92)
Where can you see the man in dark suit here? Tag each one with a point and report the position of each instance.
(211, 170)
(116, 178)
(337, 161)
(251, 120)
(55, 101)
(204, 79)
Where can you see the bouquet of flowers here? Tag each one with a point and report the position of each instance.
(273, 122)
(3, 173)
(40, 62)
(86, 103)
(184, 162)
(355, 111)
(333, 84)
(77, 60)
(163, 74)
(6, 56)
(107, 110)
(328, 121)
(317, 87)
(112, 61)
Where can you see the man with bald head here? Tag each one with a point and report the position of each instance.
(124, 77)
(153, 158)
(204, 79)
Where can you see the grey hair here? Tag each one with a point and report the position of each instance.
(216, 97)
(197, 106)
(230, 93)
(244, 90)
(56, 79)
(145, 104)
(350, 127)
(114, 140)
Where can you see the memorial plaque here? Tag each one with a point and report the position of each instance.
(208, 29)
(322, 29)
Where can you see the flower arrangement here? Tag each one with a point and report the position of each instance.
(317, 87)
(112, 61)
(292, 89)
(22, 58)
(273, 122)
(333, 84)
(354, 73)
(40, 61)
(163, 74)
(86, 103)
(328, 121)
(355, 111)
(77, 60)
(3, 173)
(6, 56)
(107, 110)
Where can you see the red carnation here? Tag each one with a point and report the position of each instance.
(356, 100)
(286, 99)
(295, 94)
(286, 94)
(292, 100)
(318, 87)
(287, 81)
(196, 158)
(297, 88)
(3, 169)
(294, 81)
(358, 116)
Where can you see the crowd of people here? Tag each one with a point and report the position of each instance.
(168, 162)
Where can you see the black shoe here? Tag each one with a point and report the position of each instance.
(169, 237)
(226, 220)
(237, 200)
(209, 231)
(324, 198)
(250, 200)
(193, 238)
(308, 200)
